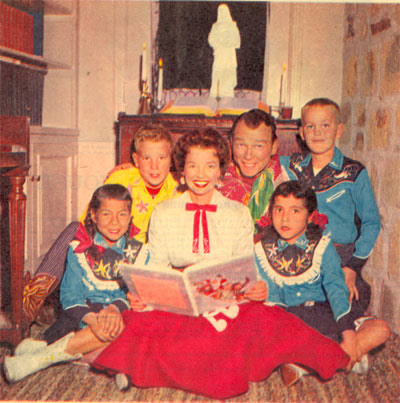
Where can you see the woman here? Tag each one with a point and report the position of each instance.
(170, 350)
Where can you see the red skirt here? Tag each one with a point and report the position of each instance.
(160, 349)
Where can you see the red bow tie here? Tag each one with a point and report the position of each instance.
(196, 224)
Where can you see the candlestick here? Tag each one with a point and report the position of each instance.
(281, 102)
(144, 62)
(160, 81)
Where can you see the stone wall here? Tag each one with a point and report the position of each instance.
(371, 113)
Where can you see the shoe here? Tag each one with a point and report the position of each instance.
(18, 367)
(122, 382)
(29, 346)
(361, 367)
(289, 374)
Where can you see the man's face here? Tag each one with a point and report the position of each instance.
(153, 159)
(252, 148)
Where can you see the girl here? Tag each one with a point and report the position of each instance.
(170, 350)
(303, 272)
(91, 295)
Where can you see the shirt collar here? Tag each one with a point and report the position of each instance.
(118, 246)
(336, 161)
(301, 242)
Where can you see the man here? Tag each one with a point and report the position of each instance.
(255, 170)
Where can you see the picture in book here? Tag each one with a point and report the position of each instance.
(200, 288)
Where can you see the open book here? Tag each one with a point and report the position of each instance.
(200, 288)
(208, 106)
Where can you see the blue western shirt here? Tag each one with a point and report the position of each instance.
(82, 284)
(308, 270)
(343, 190)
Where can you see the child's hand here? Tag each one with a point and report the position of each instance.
(350, 278)
(126, 165)
(107, 324)
(111, 320)
(258, 292)
(135, 303)
(350, 346)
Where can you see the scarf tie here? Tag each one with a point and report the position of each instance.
(203, 208)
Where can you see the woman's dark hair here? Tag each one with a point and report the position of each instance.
(202, 138)
(299, 190)
(104, 192)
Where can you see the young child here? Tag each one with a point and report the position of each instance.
(91, 295)
(302, 269)
(343, 191)
(169, 350)
(149, 182)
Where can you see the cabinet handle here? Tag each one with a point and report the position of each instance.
(38, 179)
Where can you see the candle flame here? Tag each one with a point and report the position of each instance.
(284, 67)
(160, 62)
(144, 46)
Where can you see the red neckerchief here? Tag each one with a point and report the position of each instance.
(196, 224)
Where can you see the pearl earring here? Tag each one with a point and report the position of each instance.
(182, 180)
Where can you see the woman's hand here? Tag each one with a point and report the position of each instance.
(350, 278)
(258, 292)
(135, 303)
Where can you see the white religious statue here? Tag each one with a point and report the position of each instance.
(224, 38)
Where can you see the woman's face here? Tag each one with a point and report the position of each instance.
(201, 173)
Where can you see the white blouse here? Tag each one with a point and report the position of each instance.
(230, 230)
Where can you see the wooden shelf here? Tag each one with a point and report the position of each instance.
(29, 60)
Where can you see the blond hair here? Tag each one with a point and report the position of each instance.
(322, 102)
(150, 132)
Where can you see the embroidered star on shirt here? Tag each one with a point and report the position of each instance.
(103, 269)
(284, 264)
(130, 252)
(141, 206)
(272, 250)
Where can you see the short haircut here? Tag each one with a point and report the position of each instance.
(205, 137)
(297, 189)
(253, 119)
(322, 102)
(151, 132)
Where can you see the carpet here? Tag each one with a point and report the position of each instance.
(71, 382)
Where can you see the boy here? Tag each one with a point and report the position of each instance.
(343, 189)
(149, 183)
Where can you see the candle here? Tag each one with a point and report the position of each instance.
(218, 89)
(160, 81)
(144, 63)
(281, 87)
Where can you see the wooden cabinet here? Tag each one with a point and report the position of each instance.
(51, 189)
(127, 125)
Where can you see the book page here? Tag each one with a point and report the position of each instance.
(217, 284)
(161, 289)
